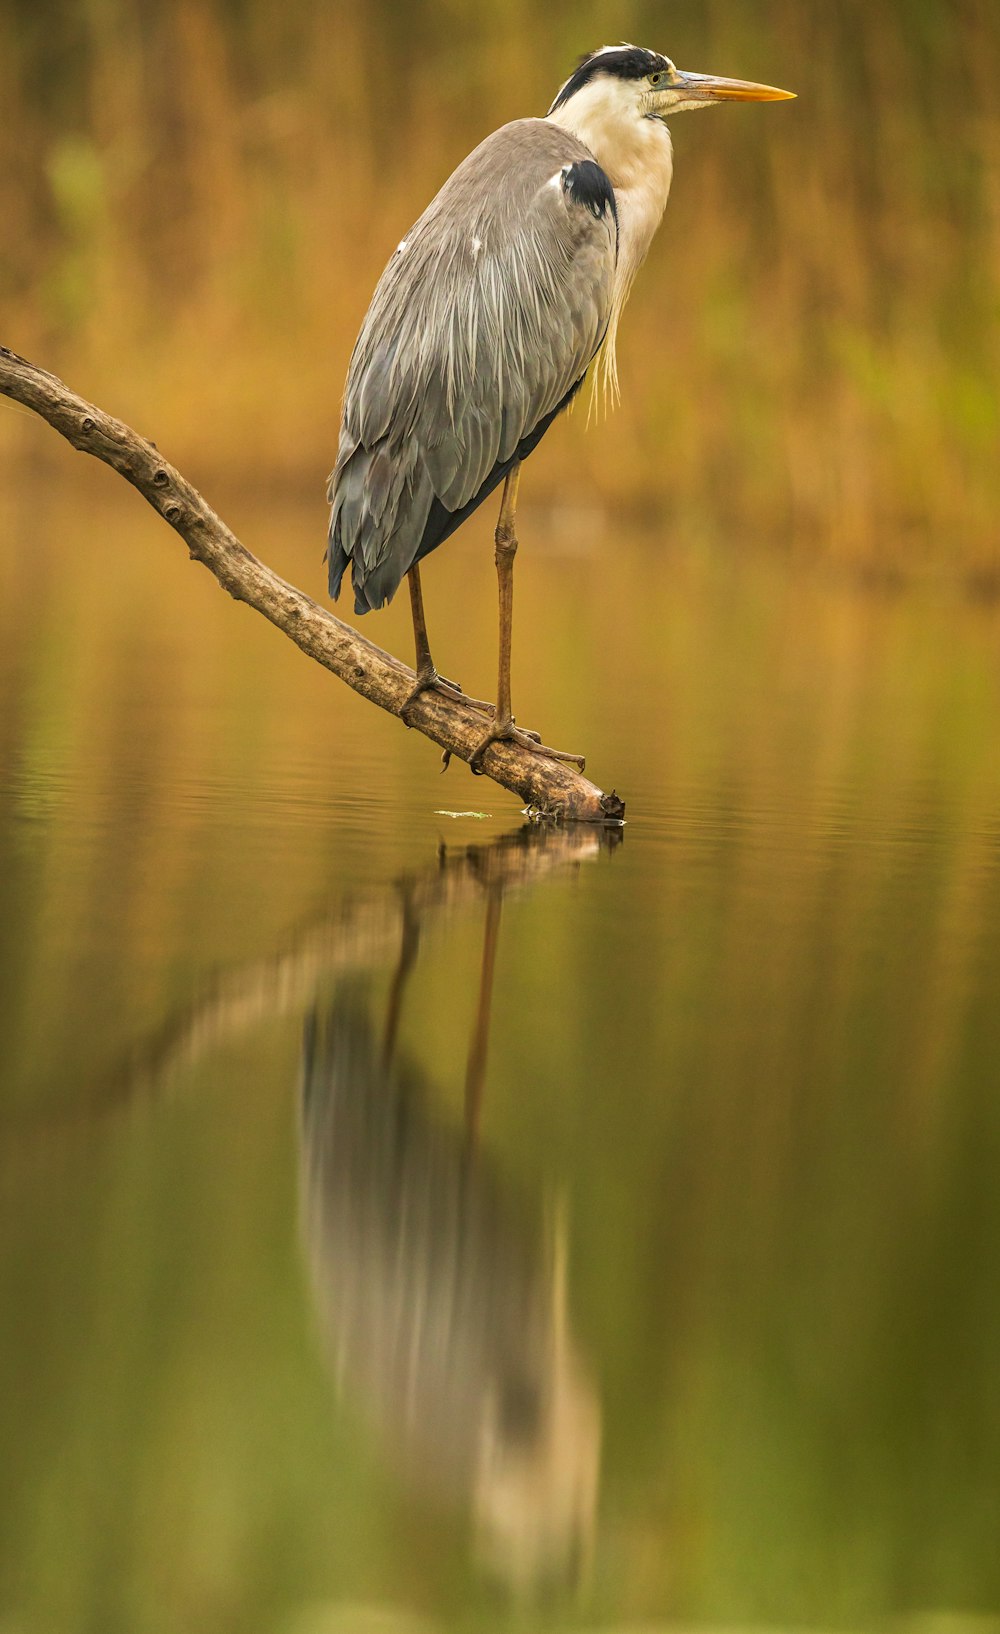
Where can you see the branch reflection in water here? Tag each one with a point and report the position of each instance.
(440, 1288)
(443, 1299)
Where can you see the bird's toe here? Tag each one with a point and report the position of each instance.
(507, 732)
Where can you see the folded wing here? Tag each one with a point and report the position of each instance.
(482, 326)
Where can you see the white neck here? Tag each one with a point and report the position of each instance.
(637, 156)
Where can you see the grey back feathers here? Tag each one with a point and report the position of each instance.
(481, 326)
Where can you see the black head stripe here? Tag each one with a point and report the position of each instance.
(624, 62)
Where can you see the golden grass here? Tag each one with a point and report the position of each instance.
(196, 211)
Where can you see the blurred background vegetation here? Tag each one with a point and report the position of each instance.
(198, 195)
(751, 1057)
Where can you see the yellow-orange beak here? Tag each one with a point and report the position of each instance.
(707, 88)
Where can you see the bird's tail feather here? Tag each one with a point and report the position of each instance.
(379, 504)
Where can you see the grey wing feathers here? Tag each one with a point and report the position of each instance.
(485, 318)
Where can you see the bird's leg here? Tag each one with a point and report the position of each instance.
(506, 550)
(409, 944)
(426, 675)
(503, 728)
(475, 1067)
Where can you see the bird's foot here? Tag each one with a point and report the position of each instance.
(429, 680)
(507, 732)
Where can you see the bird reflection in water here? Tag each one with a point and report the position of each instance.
(442, 1300)
(442, 1293)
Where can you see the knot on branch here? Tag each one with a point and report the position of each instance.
(613, 807)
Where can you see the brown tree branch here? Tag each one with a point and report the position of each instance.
(554, 788)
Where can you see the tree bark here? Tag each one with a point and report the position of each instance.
(552, 788)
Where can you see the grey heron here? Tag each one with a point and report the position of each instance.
(485, 322)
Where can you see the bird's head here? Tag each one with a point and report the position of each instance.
(625, 82)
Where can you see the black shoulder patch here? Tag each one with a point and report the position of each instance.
(623, 62)
(587, 184)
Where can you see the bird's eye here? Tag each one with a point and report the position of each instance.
(657, 78)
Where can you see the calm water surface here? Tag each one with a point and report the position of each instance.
(411, 1221)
